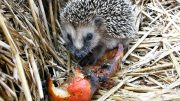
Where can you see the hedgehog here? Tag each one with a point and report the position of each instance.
(90, 27)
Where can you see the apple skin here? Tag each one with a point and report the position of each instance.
(84, 83)
(77, 88)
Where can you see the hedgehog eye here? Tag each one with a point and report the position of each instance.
(89, 36)
(69, 37)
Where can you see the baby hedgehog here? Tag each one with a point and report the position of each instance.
(90, 27)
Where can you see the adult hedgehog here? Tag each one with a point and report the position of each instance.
(90, 27)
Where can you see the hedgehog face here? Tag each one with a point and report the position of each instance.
(80, 40)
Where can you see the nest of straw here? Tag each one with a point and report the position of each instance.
(30, 43)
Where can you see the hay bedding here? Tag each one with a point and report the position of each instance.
(30, 41)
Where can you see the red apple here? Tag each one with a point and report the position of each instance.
(77, 88)
(81, 88)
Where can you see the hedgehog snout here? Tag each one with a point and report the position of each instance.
(79, 54)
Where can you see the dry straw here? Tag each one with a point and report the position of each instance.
(30, 43)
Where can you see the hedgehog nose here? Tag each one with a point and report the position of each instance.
(78, 55)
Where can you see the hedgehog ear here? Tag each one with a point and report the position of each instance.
(98, 21)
